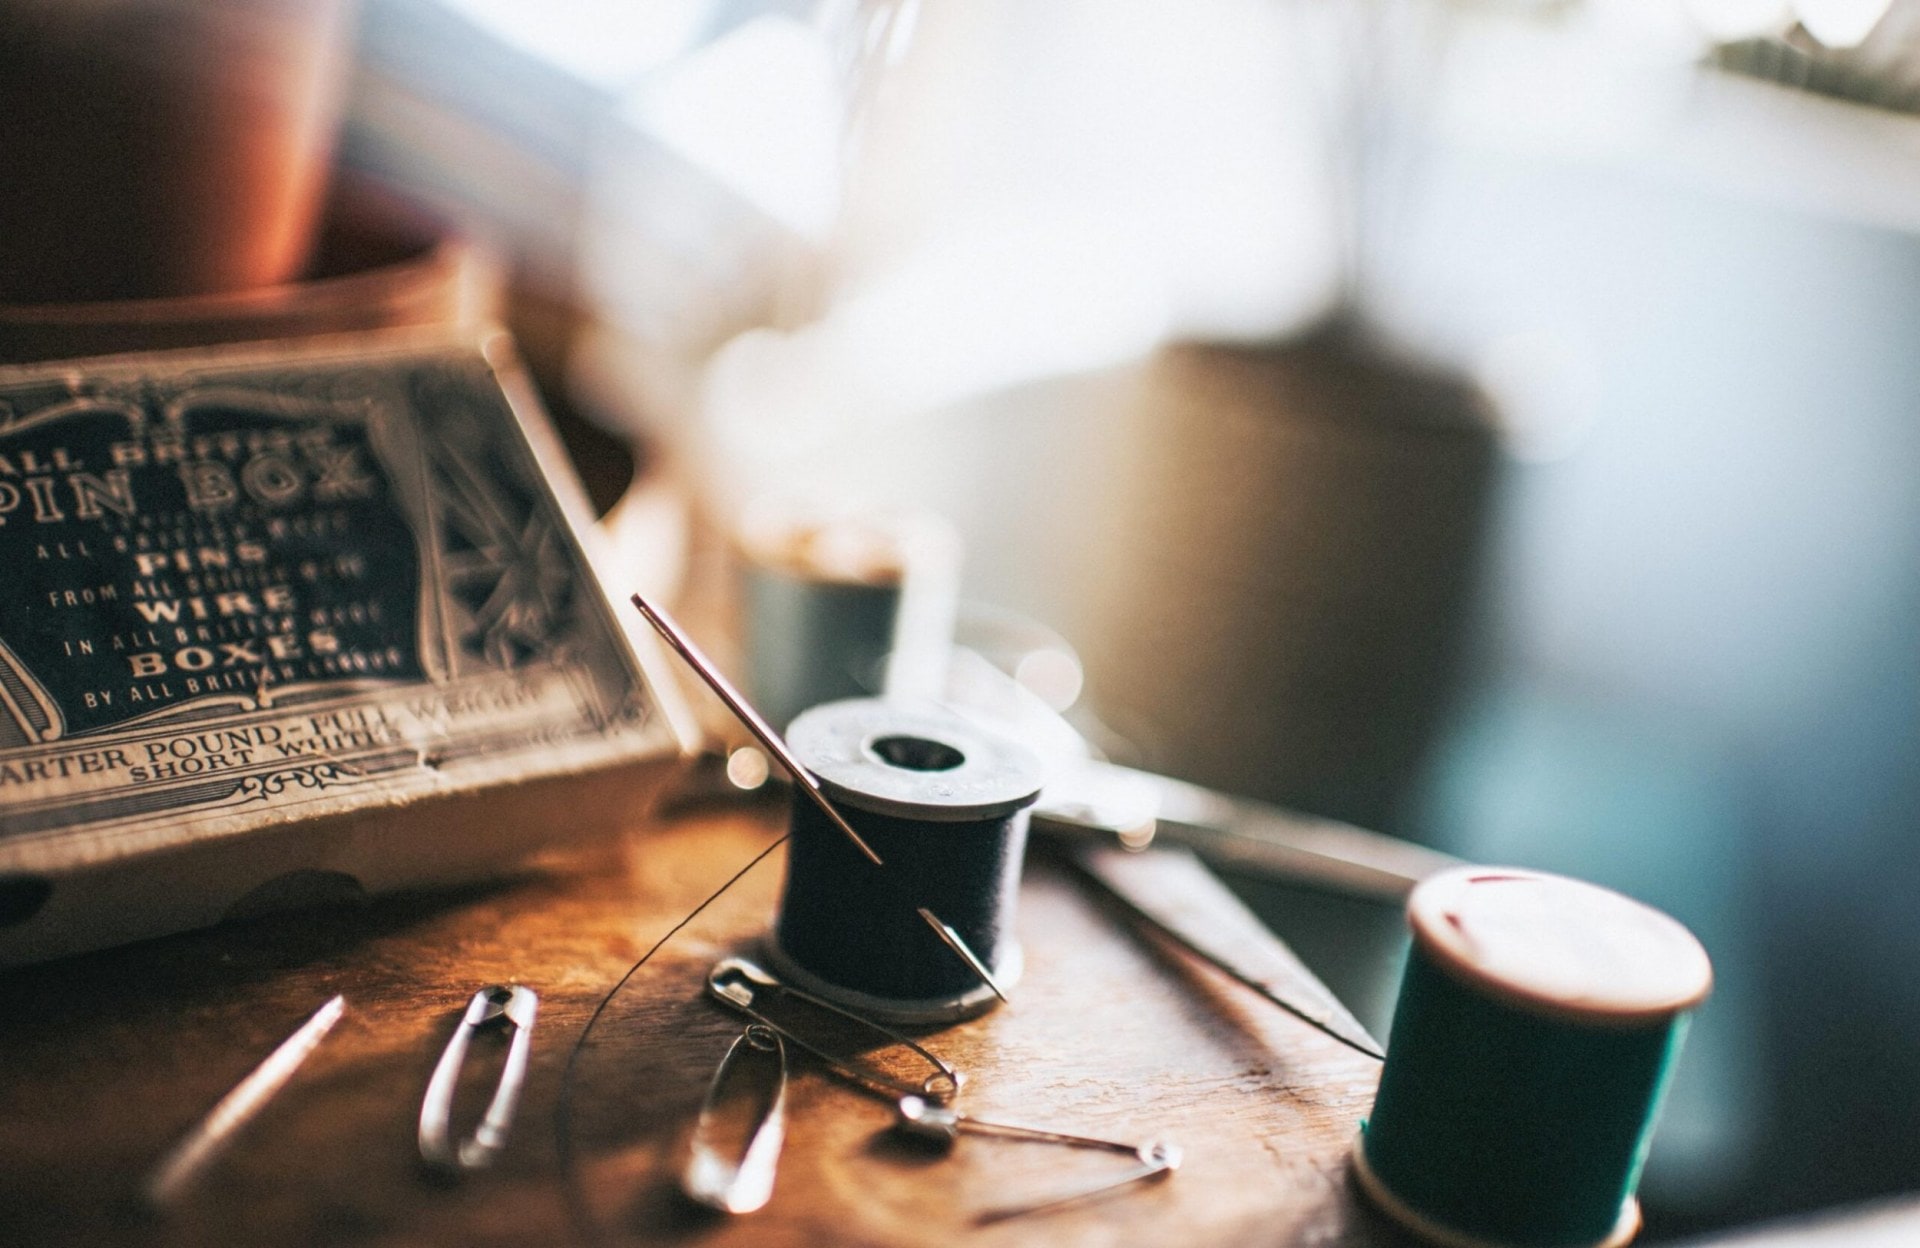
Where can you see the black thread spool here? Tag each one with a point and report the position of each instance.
(945, 804)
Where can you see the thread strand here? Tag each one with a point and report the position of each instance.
(577, 1209)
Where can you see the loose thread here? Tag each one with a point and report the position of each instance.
(577, 1210)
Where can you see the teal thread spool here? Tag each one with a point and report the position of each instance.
(1538, 1023)
(838, 605)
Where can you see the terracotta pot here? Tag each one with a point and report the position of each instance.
(156, 148)
(378, 265)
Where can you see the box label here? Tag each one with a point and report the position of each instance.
(244, 584)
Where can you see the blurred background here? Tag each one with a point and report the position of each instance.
(1489, 421)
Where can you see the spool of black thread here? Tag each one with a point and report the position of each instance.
(945, 804)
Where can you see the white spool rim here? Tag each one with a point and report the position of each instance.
(1383, 1198)
(995, 778)
(1559, 946)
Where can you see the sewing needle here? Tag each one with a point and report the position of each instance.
(239, 1105)
(698, 661)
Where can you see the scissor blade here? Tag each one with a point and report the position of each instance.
(1175, 891)
(1096, 800)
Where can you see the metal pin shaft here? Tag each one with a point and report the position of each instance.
(764, 733)
(1157, 1160)
(952, 940)
(214, 1132)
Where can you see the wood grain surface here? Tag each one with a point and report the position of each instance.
(110, 1057)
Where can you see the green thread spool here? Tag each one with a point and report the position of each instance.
(838, 605)
(1538, 1023)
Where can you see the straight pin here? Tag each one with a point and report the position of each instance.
(762, 731)
(959, 946)
(214, 1132)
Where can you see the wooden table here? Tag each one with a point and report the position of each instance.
(110, 1057)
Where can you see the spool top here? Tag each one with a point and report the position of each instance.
(914, 762)
(1559, 946)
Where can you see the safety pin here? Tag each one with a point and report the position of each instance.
(743, 985)
(1158, 1159)
(942, 1125)
(517, 1005)
(744, 1183)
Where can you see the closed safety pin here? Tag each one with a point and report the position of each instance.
(517, 1005)
(942, 1125)
(740, 1179)
(746, 986)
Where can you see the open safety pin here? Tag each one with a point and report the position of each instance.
(1158, 1159)
(517, 1005)
(942, 1125)
(745, 986)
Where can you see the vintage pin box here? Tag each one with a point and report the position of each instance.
(291, 619)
